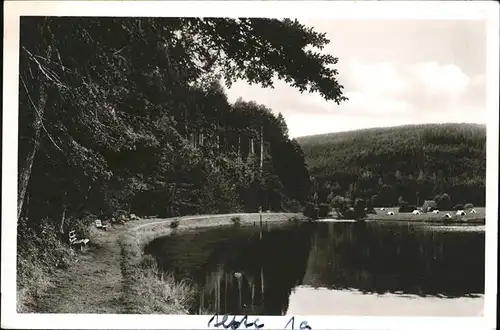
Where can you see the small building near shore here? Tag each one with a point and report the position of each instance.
(429, 205)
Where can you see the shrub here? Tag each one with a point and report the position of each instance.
(458, 207)
(236, 220)
(81, 227)
(348, 213)
(120, 214)
(406, 208)
(292, 206)
(445, 203)
(354, 214)
(370, 210)
(468, 206)
(311, 211)
(41, 248)
(359, 209)
(174, 223)
(359, 214)
(324, 210)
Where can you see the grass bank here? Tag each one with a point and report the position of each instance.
(62, 280)
(39, 255)
(145, 291)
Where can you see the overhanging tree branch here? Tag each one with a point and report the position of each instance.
(39, 116)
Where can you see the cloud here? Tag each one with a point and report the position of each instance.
(380, 94)
(377, 78)
(370, 103)
(437, 78)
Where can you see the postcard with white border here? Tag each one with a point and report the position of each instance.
(250, 165)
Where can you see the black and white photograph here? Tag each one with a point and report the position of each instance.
(257, 166)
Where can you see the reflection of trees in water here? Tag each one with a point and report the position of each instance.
(270, 269)
(270, 266)
(222, 290)
(382, 258)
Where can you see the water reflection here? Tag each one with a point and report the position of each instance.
(270, 263)
(383, 257)
(245, 270)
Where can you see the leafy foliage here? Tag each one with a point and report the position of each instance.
(311, 211)
(468, 206)
(129, 115)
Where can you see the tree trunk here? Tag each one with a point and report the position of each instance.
(239, 146)
(261, 148)
(25, 165)
(63, 218)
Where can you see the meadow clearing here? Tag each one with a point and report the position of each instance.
(382, 215)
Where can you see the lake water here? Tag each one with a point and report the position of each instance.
(330, 268)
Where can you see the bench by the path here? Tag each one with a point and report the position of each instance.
(100, 225)
(73, 240)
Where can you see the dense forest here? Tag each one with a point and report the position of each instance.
(122, 115)
(386, 166)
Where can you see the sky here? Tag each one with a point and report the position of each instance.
(394, 72)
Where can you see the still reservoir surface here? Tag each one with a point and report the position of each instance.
(330, 268)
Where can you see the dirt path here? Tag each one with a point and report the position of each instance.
(92, 284)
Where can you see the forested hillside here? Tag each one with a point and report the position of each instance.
(412, 163)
